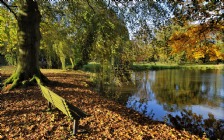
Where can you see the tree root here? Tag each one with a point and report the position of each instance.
(17, 79)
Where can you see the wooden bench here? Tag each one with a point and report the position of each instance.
(64, 106)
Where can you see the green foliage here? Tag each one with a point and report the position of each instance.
(8, 38)
(92, 67)
(153, 66)
(11, 58)
(56, 44)
(83, 35)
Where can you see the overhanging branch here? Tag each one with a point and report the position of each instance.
(8, 7)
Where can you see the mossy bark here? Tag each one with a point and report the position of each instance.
(29, 44)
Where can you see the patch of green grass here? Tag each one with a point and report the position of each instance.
(92, 67)
(153, 66)
(160, 66)
(202, 66)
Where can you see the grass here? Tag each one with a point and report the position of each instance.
(159, 66)
(153, 66)
(95, 67)
(92, 67)
(202, 66)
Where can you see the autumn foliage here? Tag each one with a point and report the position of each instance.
(198, 42)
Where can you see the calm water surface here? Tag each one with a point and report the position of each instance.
(170, 91)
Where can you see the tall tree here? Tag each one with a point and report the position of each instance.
(30, 17)
(29, 43)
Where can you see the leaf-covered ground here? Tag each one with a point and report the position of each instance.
(23, 114)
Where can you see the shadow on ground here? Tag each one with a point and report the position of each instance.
(23, 114)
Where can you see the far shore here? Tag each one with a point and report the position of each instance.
(160, 66)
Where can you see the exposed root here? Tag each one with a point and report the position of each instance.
(17, 79)
(11, 82)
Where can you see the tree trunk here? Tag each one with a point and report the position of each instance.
(72, 62)
(62, 59)
(29, 44)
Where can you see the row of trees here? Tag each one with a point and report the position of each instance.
(75, 32)
(180, 44)
(71, 32)
(81, 31)
(178, 31)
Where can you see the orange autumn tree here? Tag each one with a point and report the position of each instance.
(199, 42)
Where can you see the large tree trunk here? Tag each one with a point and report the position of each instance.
(29, 44)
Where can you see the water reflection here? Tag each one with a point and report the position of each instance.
(171, 91)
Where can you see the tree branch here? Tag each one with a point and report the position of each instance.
(90, 6)
(8, 7)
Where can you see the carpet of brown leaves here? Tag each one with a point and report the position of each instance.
(23, 114)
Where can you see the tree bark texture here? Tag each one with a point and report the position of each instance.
(29, 31)
(29, 44)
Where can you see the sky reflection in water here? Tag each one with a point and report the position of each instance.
(170, 91)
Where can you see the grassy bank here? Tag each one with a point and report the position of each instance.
(160, 66)
(95, 67)
(153, 66)
(202, 66)
(92, 67)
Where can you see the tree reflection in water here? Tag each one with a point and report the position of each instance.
(175, 91)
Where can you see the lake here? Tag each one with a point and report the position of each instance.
(162, 92)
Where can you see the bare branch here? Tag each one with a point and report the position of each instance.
(8, 7)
